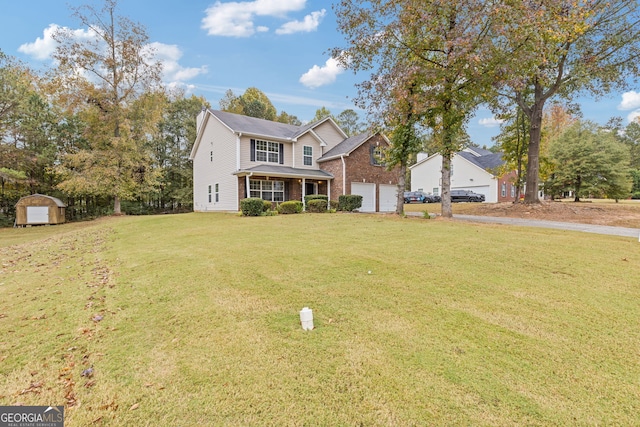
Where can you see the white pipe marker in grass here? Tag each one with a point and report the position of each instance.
(306, 318)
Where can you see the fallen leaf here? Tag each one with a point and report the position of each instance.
(134, 407)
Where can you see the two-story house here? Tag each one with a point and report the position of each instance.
(237, 156)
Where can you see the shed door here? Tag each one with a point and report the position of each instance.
(388, 197)
(368, 193)
(37, 214)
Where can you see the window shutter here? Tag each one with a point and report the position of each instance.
(253, 150)
(372, 157)
(286, 191)
(282, 154)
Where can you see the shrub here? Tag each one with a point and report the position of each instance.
(349, 202)
(252, 206)
(334, 205)
(317, 206)
(267, 205)
(636, 195)
(310, 197)
(290, 207)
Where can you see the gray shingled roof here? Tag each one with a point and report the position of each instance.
(288, 172)
(487, 162)
(346, 146)
(255, 126)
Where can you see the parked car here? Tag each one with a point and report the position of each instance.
(414, 197)
(466, 196)
(420, 197)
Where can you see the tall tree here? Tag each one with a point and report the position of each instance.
(117, 66)
(289, 119)
(562, 48)
(349, 121)
(434, 51)
(321, 113)
(512, 142)
(177, 132)
(589, 160)
(253, 103)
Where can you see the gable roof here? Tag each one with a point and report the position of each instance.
(484, 159)
(254, 126)
(346, 147)
(488, 162)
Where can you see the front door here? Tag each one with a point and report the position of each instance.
(310, 188)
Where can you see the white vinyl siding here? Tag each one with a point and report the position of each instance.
(219, 140)
(427, 174)
(329, 134)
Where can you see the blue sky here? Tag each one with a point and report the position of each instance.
(278, 46)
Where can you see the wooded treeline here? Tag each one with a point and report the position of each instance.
(52, 144)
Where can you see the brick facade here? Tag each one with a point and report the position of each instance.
(359, 167)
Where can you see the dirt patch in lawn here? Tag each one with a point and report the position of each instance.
(624, 214)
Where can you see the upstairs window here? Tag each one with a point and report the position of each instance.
(267, 151)
(307, 155)
(377, 155)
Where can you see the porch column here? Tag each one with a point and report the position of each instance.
(304, 181)
(328, 194)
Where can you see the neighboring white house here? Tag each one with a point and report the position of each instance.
(472, 169)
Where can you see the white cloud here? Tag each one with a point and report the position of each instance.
(168, 55)
(634, 115)
(630, 101)
(490, 122)
(235, 19)
(310, 23)
(43, 48)
(320, 76)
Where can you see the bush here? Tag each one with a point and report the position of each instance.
(636, 195)
(349, 202)
(267, 205)
(310, 197)
(317, 206)
(334, 205)
(290, 207)
(252, 206)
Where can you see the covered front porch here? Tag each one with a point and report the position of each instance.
(281, 184)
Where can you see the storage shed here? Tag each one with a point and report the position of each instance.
(38, 209)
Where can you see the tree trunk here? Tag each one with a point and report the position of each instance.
(447, 211)
(533, 160)
(401, 184)
(576, 196)
(116, 206)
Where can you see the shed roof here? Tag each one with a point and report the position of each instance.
(55, 200)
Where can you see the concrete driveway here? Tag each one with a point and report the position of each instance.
(572, 226)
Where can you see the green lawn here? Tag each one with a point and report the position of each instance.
(457, 324)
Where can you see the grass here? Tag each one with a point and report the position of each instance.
(457, 324)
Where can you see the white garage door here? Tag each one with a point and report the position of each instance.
(368, 193)
(486, 190)
(37, 214)
(388, 197)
